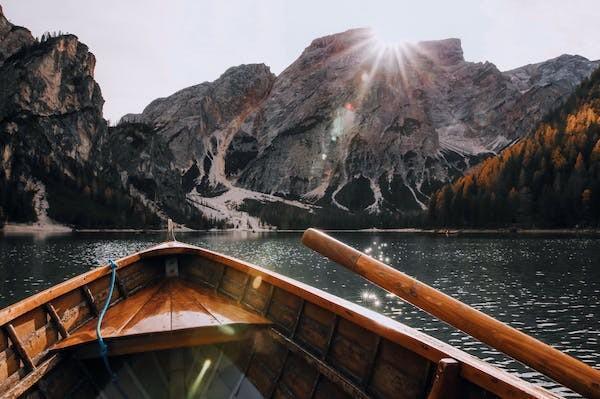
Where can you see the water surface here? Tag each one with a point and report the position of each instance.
(548, 287)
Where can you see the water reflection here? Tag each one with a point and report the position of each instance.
(547, 287)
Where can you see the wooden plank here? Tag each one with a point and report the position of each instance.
(278, 375)
(10, 365)
(18, 345)
(269, 300)
(174, 304)
(298, 377)
(121, 287)
(313, 391)
(297, 318)
(32, 378)
(267, 364)
(72, 309)
(332, 332)
(114, 321)
(56, 320)
(233, 283)
(223, 309)
(284, 310)
(91, 301)
(35, 332)
(352, 350)
(257, 295)
(186, 312)
(371, 362)
(315, 328)
(324, 369)
(398, 373)
(153, 316)
(170, 340)
(197, 269)
(446, 380)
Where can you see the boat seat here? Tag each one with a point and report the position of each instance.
(170, 314)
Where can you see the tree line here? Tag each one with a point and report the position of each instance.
(550, 179)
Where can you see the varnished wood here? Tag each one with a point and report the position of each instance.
(56, 320)
(18, 345)
(332, 332)
(121, 287)
(90, 300)
(534, 353)
(321, 366)
(32, 378)
(446, 380)
(171, 305)
(297, 321)
(371, 362)
(175, 339)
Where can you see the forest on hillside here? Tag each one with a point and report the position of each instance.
(550, 179)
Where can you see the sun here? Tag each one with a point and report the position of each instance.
(387, 39)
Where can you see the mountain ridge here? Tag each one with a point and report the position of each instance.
(352, 127)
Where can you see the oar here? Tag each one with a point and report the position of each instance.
(561, 367)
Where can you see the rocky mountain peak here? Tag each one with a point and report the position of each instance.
(12, 38)
(566, 70)
(444, 52)
(52, 77)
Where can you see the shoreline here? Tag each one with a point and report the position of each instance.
(56, 229)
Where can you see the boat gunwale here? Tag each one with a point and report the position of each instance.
(477, 371)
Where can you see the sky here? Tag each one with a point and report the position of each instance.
(147, 49)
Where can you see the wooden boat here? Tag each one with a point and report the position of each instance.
(188, 322)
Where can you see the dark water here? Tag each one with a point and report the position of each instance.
(547, 287)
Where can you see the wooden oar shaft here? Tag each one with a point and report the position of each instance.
(559, 366)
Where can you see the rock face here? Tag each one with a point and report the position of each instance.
(391, 123)
(13, 38)
(354, 124)
(50, 112)
(351, 126)
(57, 151)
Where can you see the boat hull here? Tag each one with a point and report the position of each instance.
(311, 344)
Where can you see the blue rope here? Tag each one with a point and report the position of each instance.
(101, 343)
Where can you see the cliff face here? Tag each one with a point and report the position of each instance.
(348, 118)
(57, 164)
(356, 125)
(351, 126)
(50, 115)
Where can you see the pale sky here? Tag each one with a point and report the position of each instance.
(148, 49)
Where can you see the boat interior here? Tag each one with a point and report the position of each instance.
(186, 322)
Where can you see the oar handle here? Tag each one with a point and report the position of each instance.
(561, 367)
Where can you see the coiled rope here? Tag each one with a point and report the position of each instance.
(101, 343)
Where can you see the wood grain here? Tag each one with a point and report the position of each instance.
(446, 380)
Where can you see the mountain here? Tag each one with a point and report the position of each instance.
(352, 125)
(56, 162)
(353, 133)
(549, 179)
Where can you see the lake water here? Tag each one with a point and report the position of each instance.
(548, 287)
